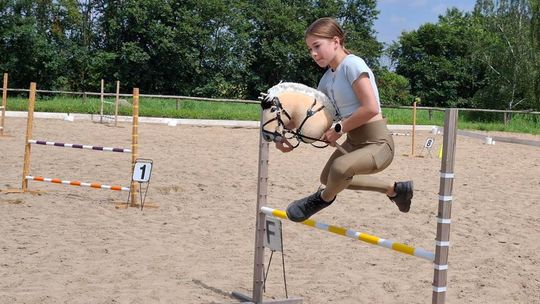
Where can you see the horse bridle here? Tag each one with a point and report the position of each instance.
(276, 136)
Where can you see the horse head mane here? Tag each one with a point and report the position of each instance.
(303, 89)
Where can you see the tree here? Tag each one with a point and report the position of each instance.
(25, 50)
(436, 59)
(506, 49)
(535, 44)
(358, 18)
(277, 41)
(393, 88)
(213, 48)
(277, 38)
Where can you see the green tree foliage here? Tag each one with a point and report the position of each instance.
(535, 44)
(214, 48)
(487, 58)
(393, 88)
(20, 33)
(436, 59)
(507, 51)
(278, 33)
(358, 18)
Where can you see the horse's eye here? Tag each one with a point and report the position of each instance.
(273, 109)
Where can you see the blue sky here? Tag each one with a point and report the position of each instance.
(405, 15)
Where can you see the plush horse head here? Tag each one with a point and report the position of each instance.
(296, 110)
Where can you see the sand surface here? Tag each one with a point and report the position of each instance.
(71, 245)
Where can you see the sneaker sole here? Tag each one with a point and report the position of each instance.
(409, 198)
(292, 218)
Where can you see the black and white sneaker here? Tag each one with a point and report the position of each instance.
(404, 193)
(302, 209)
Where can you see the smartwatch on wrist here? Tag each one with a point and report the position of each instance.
(338, 127)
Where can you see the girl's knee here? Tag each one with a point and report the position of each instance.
(341, 170)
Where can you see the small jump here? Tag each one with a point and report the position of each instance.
(364, 237)
(78, 146)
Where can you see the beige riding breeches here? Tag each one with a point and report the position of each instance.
(371, 149)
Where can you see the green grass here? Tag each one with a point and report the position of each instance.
(147, 107)
(150, 107)
(468, 120)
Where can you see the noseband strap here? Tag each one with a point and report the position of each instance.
(310, 112)
(267, 103)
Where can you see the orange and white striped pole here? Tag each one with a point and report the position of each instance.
(76, 183)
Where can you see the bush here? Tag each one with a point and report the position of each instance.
(393, 89)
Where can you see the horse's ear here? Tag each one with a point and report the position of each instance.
(266, 102)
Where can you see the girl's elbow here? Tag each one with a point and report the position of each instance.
(372, 111)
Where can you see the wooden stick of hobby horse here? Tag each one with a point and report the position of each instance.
(341, 149)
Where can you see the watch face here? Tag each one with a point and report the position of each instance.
(337, 128)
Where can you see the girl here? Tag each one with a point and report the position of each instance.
(350, 84)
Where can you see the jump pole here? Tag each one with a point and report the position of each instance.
(364, 237)
(440, 259)
(442, 247)
(29, 127)
(102, 100)
(116, 101)
(134, 144)
(413, 127)
(4, 104)
(258, 268)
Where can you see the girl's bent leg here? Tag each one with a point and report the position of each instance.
(348, 171)
(369, 183)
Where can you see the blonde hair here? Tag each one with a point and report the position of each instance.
(327, 28)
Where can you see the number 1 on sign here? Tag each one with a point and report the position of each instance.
(143, 168)
(142, 171)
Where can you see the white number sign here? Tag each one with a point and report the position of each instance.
(142, 170)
